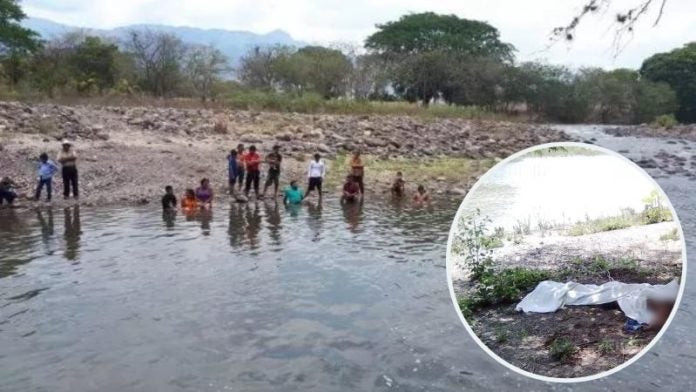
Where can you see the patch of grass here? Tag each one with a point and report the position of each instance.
(522, 227)
(492, 242)
(605, 347)
(560, 151)
(601, 225)
(665, 121)
(673, 235)
(562, 350)
(501, 335)
(508, 285)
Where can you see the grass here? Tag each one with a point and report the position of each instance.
(562, 350)
(627, 219)
(605, 347)
(672, 235)
(414, 170)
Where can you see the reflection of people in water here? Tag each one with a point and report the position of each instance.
(169, 217)
(235, 228)
(205, 217)
(253, 227)
(352, 213)
(73, 231)
(314, 221)
(273, 220)
(46, 226)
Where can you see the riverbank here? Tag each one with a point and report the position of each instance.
(573, 341)
(128, 154)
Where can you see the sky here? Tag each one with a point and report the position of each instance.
(526, 24)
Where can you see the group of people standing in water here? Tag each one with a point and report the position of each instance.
(244, 175)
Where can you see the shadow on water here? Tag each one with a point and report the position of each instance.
(72, 233)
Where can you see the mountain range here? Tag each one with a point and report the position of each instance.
(233, 43)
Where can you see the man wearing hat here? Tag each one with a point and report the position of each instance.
(67, 159)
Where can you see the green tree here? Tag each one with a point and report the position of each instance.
(678, 69)
(14, 37)
(94, 64)
(158, 58)
(205, 66)
(424, 51)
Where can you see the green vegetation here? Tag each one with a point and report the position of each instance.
(673, 235)
(421, 64)
(501, 335)
(562, 350)
(605, 347)
(678, 70)
(665, 121)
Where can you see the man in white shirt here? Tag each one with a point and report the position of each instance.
(316, 173)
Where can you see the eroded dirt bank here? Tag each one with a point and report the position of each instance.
(128, 154)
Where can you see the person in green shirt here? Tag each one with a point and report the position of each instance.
(293, 194)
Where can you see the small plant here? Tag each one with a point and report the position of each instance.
(501, 335)
(673, 235)
(655, 211)
(667, 121)
(562, 350)
(605, 347)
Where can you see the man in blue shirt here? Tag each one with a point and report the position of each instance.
(47, 169)
(293, 194)
(233, 170)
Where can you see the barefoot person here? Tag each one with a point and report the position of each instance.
(351, 191)
(315, 173)
(273, 160)
(397, 188)
(232, 170)
(188, 201)
(204, 195)
(241, 154)
(47, 168)
(422, 195)
(292, 194)
(252, 162)
(68, 159)
(357, 170)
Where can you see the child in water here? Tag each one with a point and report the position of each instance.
(398, 185)
(204, 194)
(188, 201)
(293, 194)
(168, 200)
(422, 195)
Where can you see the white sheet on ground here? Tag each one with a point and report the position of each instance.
(632, 298)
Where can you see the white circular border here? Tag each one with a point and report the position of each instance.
(510, 366)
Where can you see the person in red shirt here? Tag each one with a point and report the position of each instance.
(252, 161)
(351, 190)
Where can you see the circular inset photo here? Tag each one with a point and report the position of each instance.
(566, 262)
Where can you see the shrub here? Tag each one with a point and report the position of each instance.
(667, 121)
(562, 350)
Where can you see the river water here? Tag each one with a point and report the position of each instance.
(257, 298)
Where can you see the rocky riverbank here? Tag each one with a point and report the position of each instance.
(687, 131)
(128, 154)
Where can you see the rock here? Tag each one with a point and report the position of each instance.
(250, 139)
(286, 137)
(459, 191)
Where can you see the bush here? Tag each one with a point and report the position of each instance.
(562, 350)
(508, 285)
(667, 121)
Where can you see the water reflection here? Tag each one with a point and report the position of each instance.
(235, 228)
(72, 233)
(253, 224)
(314, 222)
(273, 221)
(353, 215)
(47, 228)
(169, 218)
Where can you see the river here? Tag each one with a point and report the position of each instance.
(257, 298)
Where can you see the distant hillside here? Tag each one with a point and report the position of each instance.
(234, 44)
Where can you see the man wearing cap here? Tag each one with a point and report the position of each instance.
(67, 159)
(273, 160)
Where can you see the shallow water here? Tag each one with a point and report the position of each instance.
(330, 300)
(559, 190)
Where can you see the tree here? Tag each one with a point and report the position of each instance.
(428, 32)
(257, 67)
(678, 69)
(424, 50)
(158, 60)
(325, 71)
(13, 37)
(204, 67)
(94, 64)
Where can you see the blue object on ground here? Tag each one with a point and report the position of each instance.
(632, 326)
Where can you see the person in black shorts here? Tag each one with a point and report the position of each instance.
(273, 160)
(315, 173)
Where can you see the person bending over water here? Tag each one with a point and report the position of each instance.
(316, 173)
(204, 194)
(397, 188)
(168, 200)
(351, 191)
(293, 194)
(188, 201)
(422, 195)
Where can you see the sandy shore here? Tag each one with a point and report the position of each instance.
(128, 155)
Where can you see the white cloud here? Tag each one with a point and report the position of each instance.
(524, 23)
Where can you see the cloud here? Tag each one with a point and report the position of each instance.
(524, 23)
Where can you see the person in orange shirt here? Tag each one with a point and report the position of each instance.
(188, 201)
(357, 170)
(241, 155)
(252, 161)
